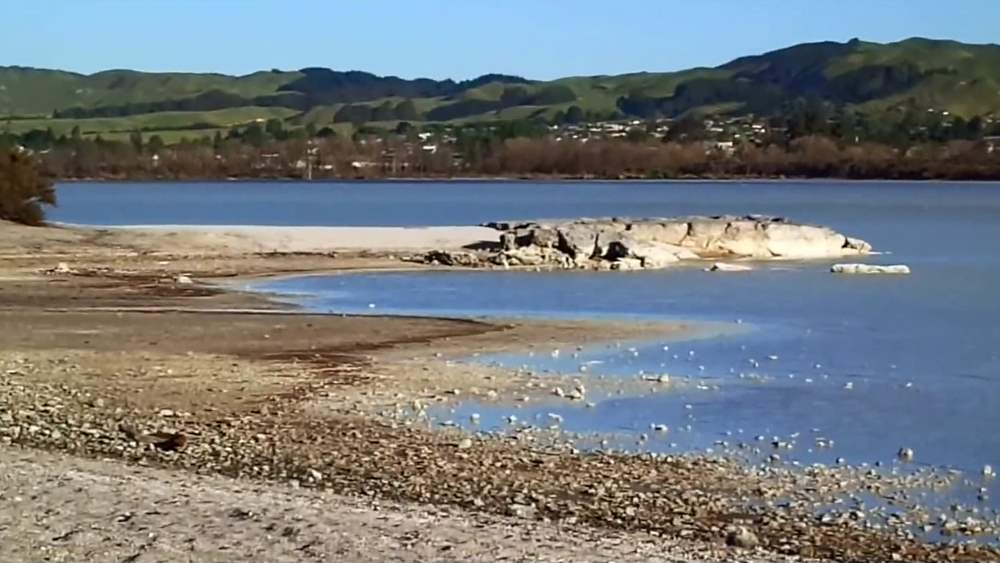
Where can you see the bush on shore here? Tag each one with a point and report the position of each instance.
(23, 189)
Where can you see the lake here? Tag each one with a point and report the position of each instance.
(872, 364)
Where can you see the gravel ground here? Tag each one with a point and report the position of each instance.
(267, 446)
(55, 507)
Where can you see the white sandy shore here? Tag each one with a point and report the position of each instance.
(253, 238)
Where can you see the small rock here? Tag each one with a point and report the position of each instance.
(741, 537)
(724, 267)
(870, 269)
(522, 510)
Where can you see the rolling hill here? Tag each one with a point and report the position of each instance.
(963, 79)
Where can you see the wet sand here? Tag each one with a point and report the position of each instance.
(114, 356)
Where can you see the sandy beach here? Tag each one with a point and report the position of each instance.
(267, 239)
(150, 414)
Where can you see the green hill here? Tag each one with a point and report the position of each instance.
(916, 73)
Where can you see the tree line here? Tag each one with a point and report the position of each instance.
(809, 157)
(809, 141)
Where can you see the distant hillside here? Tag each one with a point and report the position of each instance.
(918, 73)
(922, 73)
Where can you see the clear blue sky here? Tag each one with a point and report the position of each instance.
(457, 38)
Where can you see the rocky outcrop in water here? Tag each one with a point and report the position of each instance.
(870, 269)
(633, 244)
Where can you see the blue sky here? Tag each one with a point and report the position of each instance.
(458, 38)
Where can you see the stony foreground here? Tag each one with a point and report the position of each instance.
(634, 244)
(62, 508)
(196, 421)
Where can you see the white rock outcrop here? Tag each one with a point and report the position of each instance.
(870, 269)
(634, 244)
(724, 267)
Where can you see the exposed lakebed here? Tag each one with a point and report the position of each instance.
(837, 367)
(832, 369)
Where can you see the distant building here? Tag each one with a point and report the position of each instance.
(727, 147)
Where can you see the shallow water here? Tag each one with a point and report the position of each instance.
(923, 373)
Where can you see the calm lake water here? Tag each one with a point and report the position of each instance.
(872, 363)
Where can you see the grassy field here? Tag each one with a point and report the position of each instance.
(220, 119)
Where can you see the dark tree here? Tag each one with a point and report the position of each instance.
(574, 115)
(155, 144)
(407, 111)
(254, 135)
(384, 112)
(23, 190)
(135, 138)
(689, 128)
(275, 129)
